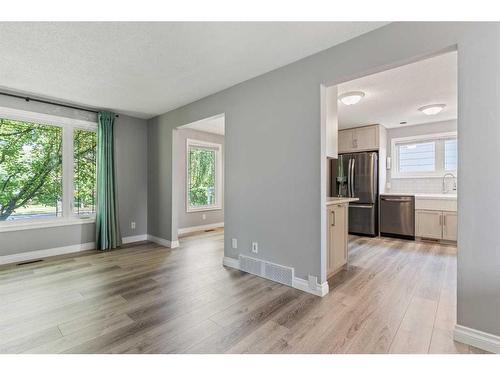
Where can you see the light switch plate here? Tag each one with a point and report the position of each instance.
(255, 247)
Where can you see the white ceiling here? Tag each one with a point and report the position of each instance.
(214, 125)
(395, 95)
(145, 69)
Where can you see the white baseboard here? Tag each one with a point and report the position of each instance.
(320, 290)
(132, 239)
(479, 339)
(198, 228)
(163, 242)
(38, 254)
(231, 262)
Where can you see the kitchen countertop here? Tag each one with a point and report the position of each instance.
(339, 200)
(449, 196)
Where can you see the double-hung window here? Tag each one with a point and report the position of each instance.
(424, 156)
(204, 176)
(47, 169)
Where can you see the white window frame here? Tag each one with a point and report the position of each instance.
(439, 171)
(217, 147)
(68, 125)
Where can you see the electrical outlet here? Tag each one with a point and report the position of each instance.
(234, 243)
(132, 225)
(204, 216)
(255, 247)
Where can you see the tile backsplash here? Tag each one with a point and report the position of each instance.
(431, 185)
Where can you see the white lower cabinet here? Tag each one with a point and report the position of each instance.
(337, 237)
(450, 223)
(428, 224)
(439, 225)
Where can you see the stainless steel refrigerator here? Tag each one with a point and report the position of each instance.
(356, 175)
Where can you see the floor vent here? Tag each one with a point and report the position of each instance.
(271, 271)
(29, 262)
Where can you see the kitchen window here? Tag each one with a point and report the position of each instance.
(47, 169)
(204, 176)
(424, 156)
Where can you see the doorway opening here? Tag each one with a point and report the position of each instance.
(392, 147)
(198, 170)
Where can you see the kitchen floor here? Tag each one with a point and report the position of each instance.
(396, 296)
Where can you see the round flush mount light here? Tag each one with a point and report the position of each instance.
(352, 97)
(432, 109)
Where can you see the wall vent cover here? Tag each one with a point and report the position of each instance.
(279, 273)
(251, 265)
(271, 271)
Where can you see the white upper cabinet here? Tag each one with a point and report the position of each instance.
(345, 140)
(330, 119)
(365, 138)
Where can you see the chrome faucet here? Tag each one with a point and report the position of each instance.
(445, 189)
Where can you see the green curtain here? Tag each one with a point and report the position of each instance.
(107, 228)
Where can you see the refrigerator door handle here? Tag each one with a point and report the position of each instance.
(348, 192)
(374, 180)
(352, 177)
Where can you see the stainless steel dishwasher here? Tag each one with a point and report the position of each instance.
(397, 216)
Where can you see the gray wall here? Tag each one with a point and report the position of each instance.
(132, 174)
(131, 164)
(275, 164)
(190, 219)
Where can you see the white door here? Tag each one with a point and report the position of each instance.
(428, 224)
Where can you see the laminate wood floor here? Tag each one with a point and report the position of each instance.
(396, 297)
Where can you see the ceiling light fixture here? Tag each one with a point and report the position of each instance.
(352, 97)
(432, 109)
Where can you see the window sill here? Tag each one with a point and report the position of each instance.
(439, 176)
(200, 209)
(38, 224)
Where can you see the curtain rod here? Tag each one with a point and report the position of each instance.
(28, 99)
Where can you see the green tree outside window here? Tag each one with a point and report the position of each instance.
(202, 177)
(31, 171)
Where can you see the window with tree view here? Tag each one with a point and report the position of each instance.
(203, 164)
(84, 143)
(30, 170)
(35, 169)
